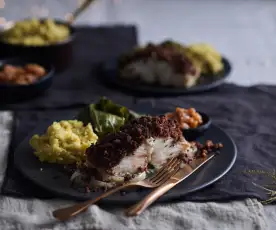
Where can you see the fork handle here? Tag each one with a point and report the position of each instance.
(68, 212)
(139, 207)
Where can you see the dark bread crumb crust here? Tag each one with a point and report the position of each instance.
(112, 148)
(163, 52)
(203, 150)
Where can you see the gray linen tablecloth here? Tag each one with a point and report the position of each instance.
(17, 214)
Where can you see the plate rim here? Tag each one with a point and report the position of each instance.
(58, 194)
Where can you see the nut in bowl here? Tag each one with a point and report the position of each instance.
(21, 75)
(22, 79)
(192, 122)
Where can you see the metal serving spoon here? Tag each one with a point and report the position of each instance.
(72, 16)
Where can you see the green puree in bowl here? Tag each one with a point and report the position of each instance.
(36, 32)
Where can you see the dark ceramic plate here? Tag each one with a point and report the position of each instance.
(13, 93)
(109, 76)
(53, 179)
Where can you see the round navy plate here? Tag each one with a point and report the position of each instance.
(52, 178)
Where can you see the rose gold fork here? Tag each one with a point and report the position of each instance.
(158, 178)
(183, 173)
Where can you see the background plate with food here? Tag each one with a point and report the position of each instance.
(109, 145)
(168, 68)
(48, 39)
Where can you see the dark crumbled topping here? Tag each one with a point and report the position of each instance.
(208, 148)
(128, 177)
(112, 148)
(163, 52)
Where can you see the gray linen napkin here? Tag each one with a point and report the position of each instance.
(36, 214)
(20, 214)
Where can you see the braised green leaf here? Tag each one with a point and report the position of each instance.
(106, 116)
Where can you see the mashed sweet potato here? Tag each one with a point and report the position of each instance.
(64, 142)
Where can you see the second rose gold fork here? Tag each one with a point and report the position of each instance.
(157, 179)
